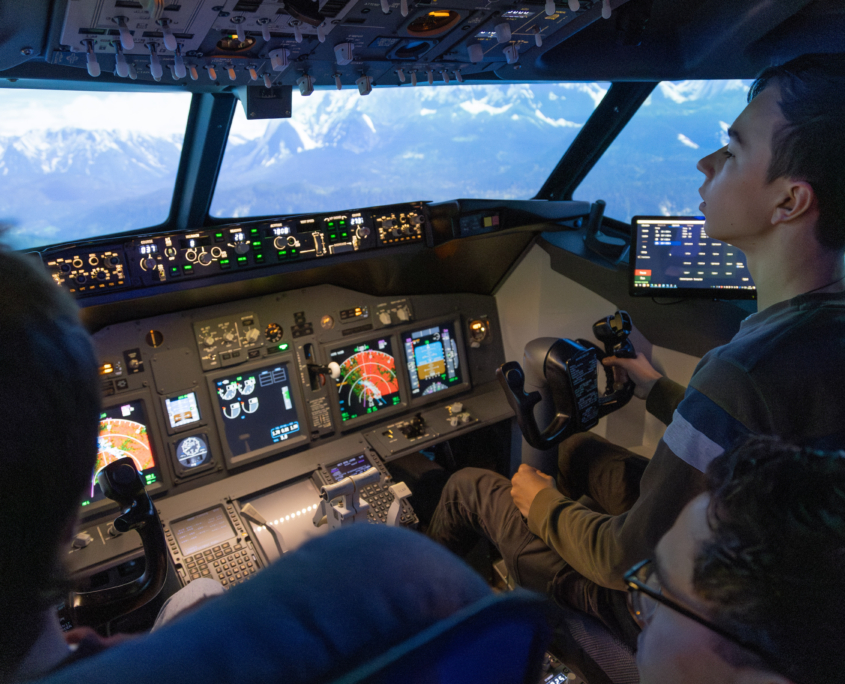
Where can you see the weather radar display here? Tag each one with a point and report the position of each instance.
(123, 433)
(367, 380)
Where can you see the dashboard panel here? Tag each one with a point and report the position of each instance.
(237, 403)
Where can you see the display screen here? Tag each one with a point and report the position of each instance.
(123, 432)
(182, 410)
(257, 408)
(192, 451)
(350, 466)
(432, 358)
(367, 380)
(202, 530)
(674, 256)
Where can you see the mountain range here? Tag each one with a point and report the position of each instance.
(343, 151)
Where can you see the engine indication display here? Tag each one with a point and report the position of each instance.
(368, 381)
(257, 408)
(432, 358)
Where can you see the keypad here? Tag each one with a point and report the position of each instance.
(227, 563)
(379, 497)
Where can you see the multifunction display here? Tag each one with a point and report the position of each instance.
(182, 410)
(257, 408)
(672, 256)
(123, 432)
(348, 467)
(368, 381)
(432, 358)
(202, 530)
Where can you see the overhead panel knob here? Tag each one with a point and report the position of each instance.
(93, 64)
(403, 7)
(268, 82)
(503, 32)
(476, 53)
(204, 258)
(279, 59)
(242, 247)
(306, 84)
(574, 5)
(253, 74)
(550, 7)
(167, 35)
(365, 85)
(120, 63)
(511, 53)
(605, 9)
(179, 65)
(297, 32)
(156, 70)
(401, 74)
(343, 53)
(127, 42)
(337, 82)
(232, 75)
(265, 32)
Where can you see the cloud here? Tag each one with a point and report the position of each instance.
(426, 112)
(156, 114)
(686, 141)
(557, 123)
(477, 106)
(369, 122)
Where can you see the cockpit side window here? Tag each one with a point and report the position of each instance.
(650, 168)
(340, 150)
(78, 164)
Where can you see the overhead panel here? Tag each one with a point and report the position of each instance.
(329, 42)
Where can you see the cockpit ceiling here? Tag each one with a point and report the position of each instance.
(213, 45)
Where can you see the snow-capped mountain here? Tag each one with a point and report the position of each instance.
(342, 151)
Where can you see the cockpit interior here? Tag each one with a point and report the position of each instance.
(306, 235)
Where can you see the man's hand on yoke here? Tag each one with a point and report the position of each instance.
(639, 370)
(526, 484)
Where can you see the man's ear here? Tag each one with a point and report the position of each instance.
(798, 200)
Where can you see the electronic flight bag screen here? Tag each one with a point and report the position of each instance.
(257, 408)
(123, 432)
(348, 467)
(432, 358)
(368, 381)
(674, 257)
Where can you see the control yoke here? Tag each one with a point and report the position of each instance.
(562, 377)
(121, 482)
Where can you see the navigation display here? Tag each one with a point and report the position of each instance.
(348, 467)
(123, 432)
(202, 530)
(673, 256)
(257, 408)
(432, 358)
(368, 381)
(182, 410)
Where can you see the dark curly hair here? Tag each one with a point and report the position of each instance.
(811, 146)
(775, 565)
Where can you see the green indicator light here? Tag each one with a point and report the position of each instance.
(332, 236)
(102, 416)
(224, 261)
(242, 259)
(218, 235)
(331, 223)
(188, 267)
(396, 400)
(283, 253)
(254, 230)
(86, 503)
(344, 234)
(343, 223)
(256, 244)
(283, 346)
(293, 251)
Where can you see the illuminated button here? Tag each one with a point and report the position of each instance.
(225, 264)
(243, 261)
(188, 269)
(259, 258)
(219, 237)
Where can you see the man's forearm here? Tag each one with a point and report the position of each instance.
(664, 398)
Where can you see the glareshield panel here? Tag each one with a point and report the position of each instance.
(78, 165)
(340, 150)
(650, 168)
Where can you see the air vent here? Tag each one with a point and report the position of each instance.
(127, 4)
(355, 20)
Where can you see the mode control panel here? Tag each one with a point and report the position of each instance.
(398, 227)
(95, 270)
(227, 341)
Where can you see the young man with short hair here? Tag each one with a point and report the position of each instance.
(746, 587)
(776, 191)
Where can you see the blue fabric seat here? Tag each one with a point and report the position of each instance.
(338, 602)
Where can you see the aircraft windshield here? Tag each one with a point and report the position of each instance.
(77, 165)
(340, 150)
(650, 168)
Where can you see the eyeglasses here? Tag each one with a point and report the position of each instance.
(645, 594)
